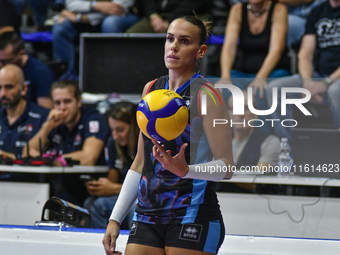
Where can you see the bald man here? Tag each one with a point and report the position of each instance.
(19, 119)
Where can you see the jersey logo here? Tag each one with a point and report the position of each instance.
(94, 126)
(20, 143)
(34, 115)
(187, 100)
(27, 129)
(21, 129)
(77, 140)
(118, 163)
(328, 32)
(133, 229)
(191, 232)
(106, 152)
(56, 139)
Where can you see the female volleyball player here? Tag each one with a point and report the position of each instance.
(177, 210)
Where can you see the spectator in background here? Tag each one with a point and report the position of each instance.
(38, 76)
(20, 119)
(38, 7)
(157, 14)
(319, 65)
(250, 146)
(88, 16)
(9, 18)
(298, 11)
(259, 30)
(74, 132)
(58, 5)
(120, 152)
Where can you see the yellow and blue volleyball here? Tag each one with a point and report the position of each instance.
(162, 115)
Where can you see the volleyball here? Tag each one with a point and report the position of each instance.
(162, 115)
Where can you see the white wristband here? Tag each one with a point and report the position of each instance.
(127, 196)
(211, 171)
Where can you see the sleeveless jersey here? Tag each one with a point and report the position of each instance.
(254, 47)
(165, 198)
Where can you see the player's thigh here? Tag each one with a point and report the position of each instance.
(139, 249)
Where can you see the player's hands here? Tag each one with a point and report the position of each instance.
(110, 237)
(176, 164)
(109, 8)
(101, 187)
(158, 24)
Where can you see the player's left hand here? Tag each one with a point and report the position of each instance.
(177, 164)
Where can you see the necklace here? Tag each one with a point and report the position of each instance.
(257, 14)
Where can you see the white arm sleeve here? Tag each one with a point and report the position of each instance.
(211, 171)
(127, 196)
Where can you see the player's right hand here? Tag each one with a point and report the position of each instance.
(110, 237)
(56, 117)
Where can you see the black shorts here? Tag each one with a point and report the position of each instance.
(207, 236)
